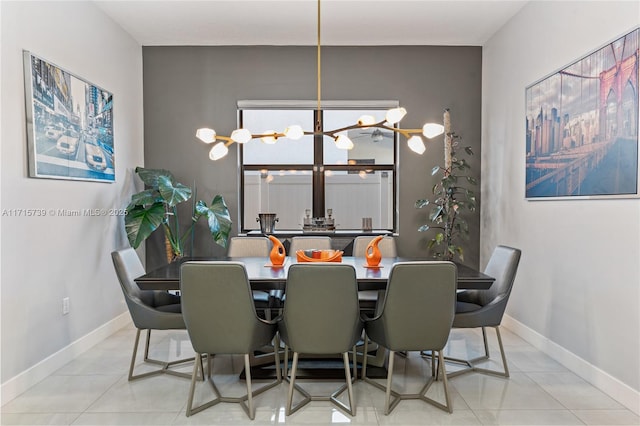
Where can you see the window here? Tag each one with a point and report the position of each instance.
(311, 174)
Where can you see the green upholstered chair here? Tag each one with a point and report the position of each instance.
(321, 317)
(417, 313)
(485, 308)
(149, 309)
(220, 317)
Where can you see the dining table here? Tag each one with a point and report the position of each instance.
(264, 276)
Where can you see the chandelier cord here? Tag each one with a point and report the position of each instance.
(319, 76)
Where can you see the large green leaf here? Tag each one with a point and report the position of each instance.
(436, 212)
(140, 222)
(218, 219)
(145, 198)
(421, 203)
(173, 193)
(150, 176)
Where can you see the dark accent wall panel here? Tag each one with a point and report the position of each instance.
(188, 87)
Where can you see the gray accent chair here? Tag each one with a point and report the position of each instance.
(321, 317)
(308, 243)
(485, 308)
(417, 314)
(149, 309)
(256, 247)
(369, 298)
(220, 317)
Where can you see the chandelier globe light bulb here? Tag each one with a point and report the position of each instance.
(269, 139)
(366, 120)
(241, 135)
(431, 130)
(294, 132)
(416, 144)
(218, 151)
(394, 115)
(343, 142)
(206, 135)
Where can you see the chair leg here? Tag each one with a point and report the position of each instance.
(364, 358)
(247, 373)
(165, 365)
(290, 409)
(392, 398)
(351, 409)
(387, 397)
(471, 363)
(247, 407)
(442, 368)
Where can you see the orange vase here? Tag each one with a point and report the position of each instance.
(372, 253)
(278, 253)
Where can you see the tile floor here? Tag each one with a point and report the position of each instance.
(93, 390)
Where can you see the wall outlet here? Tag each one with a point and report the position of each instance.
(65, 306)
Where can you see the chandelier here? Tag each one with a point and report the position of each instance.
(342, 141)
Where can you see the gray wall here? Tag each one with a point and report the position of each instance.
(190, 87)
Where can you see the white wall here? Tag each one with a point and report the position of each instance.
(578, 286)
(47, 258)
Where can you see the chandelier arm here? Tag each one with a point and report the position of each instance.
(268, 135)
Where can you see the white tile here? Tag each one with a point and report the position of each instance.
(527, 417)
(93, 390)
(37, 418)
(481, 391)
(529, 359)
(149, 394)
(160, 418)
(573, 392)
(409, 413)
(607, 417)
(61, 394)
(97, 362)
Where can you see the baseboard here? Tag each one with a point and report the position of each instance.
(23, 381)
(608, 384)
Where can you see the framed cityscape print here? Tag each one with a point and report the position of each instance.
(69, 124)
(582, 126)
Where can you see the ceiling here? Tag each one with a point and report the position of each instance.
(293, 22)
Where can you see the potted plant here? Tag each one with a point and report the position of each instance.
(451, 197)
(157, 206)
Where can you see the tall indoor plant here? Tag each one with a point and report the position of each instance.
(157, 206)
(451, 197)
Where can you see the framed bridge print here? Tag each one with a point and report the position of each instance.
(69, 124)
(582, 126)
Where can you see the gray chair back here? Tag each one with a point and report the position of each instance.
(249, 247)
(387, 246)
(142, 303)
(308, 243)
(503, 266)
(321, 314)
(218, 310)
(418, 308)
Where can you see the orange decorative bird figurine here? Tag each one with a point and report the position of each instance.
(372, 253)
(278, 253)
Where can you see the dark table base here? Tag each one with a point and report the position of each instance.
(316, 369)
